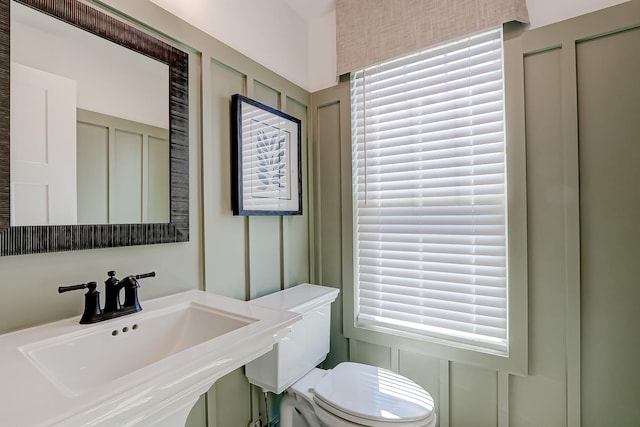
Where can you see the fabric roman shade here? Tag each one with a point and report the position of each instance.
(430, 194)
(371, 31)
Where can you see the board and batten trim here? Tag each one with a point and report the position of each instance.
(565, 36)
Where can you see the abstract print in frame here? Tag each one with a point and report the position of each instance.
(265, 159)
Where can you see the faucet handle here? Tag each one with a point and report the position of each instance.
(131, 290)
(92, 311)
(91, 286)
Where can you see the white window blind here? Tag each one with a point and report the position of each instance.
(430, 194)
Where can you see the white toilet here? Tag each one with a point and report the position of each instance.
(351, 394)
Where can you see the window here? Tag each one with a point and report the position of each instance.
(429, 175)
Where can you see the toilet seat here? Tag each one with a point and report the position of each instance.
(329, 419)
(371, 397)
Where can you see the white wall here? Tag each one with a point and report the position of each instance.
(322, 52)
(545, 12)
(267, 31)
(305, 53)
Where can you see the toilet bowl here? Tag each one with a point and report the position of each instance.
(349, 395)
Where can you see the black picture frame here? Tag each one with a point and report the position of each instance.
(266, 160)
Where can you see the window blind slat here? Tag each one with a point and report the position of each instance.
(430, 193)
(426, 250)
(445, 141)
(420, 275)
(435, 219)
(497, 241)
(444, 311)
(432, 210)
(453, 329)
(379, 155)
(470, 165)
(488, 260)
(443, 290)
(485, 122)
(420, 266)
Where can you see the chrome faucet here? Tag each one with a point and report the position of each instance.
(112, 307)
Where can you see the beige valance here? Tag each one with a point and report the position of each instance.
(372, 31)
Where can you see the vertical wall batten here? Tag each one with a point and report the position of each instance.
(226, 262)
(608, 105)
(503, 399)
(395, 359)
(542, 395)
(444, 395)
(284, 253)
(572, 229)
(297, 251)
(330, 108)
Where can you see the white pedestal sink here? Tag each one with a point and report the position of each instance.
(144, 369)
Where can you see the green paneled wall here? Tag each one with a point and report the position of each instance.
(609, 145)
(575, 84)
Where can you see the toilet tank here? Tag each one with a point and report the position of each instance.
(305, 347)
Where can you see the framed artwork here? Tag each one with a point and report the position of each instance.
(266, 172)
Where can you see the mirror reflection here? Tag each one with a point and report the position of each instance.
(89, 127)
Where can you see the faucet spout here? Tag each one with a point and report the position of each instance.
(112, 293)
(130, 285)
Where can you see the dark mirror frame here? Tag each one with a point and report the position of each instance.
(55, 238)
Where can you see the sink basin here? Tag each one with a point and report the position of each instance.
(144, 369)
(81, 361)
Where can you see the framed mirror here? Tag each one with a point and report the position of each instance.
(134, 155)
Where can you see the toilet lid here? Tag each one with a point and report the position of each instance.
(364, 392)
